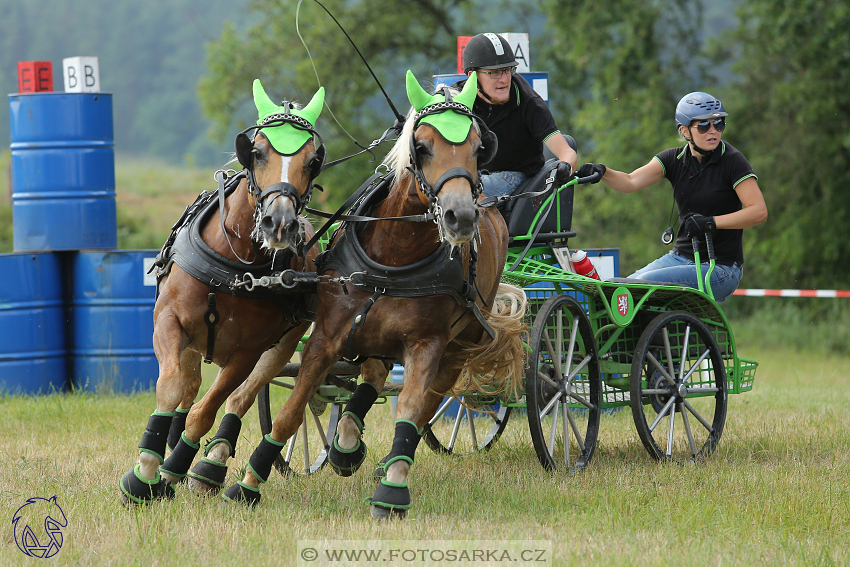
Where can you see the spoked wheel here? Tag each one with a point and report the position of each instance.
(307, 451)
(678, 388)
(459, 430)
(563, 389)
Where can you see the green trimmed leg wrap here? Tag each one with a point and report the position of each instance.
(178, 425)
(180, 459)
(406, 439)
(391, 496)
(346, 461)
(243, 493)
(263, 457)
(140, 490)
(156, 434)
(228, 432)
(210, 472)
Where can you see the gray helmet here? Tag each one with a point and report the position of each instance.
(488, 51)
(698, 106)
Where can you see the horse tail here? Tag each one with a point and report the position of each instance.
(497, 366)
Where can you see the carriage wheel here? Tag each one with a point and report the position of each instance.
(307, 451)
(563, 388)
(678, 388)
(458, 430)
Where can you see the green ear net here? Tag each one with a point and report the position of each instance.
(287, 139)
(452, 126)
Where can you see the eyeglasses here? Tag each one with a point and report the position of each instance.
(497, 73)
(705, 125)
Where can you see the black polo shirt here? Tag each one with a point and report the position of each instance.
(522, 125)
(708, 188)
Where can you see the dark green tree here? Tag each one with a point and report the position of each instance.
(793, 113)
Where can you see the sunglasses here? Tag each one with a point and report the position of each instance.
(497, 73)
(705, 125)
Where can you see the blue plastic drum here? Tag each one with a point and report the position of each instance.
(63, 171)
(32, 325)
(112, 317)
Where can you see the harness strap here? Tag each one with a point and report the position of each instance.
(211, 319)
(358, 321)
(345, 206)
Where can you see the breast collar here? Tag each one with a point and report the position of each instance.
(187, 249)
(436, 274)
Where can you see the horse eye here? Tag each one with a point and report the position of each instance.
(423, 150)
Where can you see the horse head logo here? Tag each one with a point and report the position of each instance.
(38, 512)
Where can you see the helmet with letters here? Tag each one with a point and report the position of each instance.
(488, 51)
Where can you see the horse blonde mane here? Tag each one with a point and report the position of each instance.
(398, 159)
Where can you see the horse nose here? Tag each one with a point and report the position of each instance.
(461, 221)
(268, 224)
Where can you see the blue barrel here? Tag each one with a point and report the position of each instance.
(63, 171)
(32, 324)
(112, 318)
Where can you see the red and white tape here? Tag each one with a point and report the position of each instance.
(793, 292)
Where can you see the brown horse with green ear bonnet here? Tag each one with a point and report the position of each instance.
(252, 225)
(412, 292)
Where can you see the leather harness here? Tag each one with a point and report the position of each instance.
(437, 274)
(187, 249)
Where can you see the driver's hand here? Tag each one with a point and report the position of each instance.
(589, 169)
(564, 173)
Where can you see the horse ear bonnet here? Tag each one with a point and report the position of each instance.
(244, 150)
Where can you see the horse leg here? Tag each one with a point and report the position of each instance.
(179, 381)
(318, 358)
(200, 420)
(208, 475)
(348, 449)
(416, 403)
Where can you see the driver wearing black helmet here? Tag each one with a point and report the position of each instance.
(715, 190)
(516, 113)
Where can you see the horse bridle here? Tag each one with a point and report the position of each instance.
(244, 153)
(488, 139)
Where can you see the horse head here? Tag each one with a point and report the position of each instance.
(446, 144)
(282, 159)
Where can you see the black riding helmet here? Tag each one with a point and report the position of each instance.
(488, 51)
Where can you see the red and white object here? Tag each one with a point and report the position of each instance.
(832, 293)
(582, 264)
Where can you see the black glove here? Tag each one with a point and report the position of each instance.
(564, 173)
(697, 225)
(589, 169)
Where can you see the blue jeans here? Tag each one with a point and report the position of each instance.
(501, 183)
(673, 268)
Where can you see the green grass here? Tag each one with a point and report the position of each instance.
(774, 493)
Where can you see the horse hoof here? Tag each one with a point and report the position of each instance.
(135, 489)
(381, 513)
(380, 469)
(243, 494)
(346, 462)
(207, 477)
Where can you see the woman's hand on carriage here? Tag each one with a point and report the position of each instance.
(697, 224)
(591, 173)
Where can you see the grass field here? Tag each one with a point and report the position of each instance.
(775, 492)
